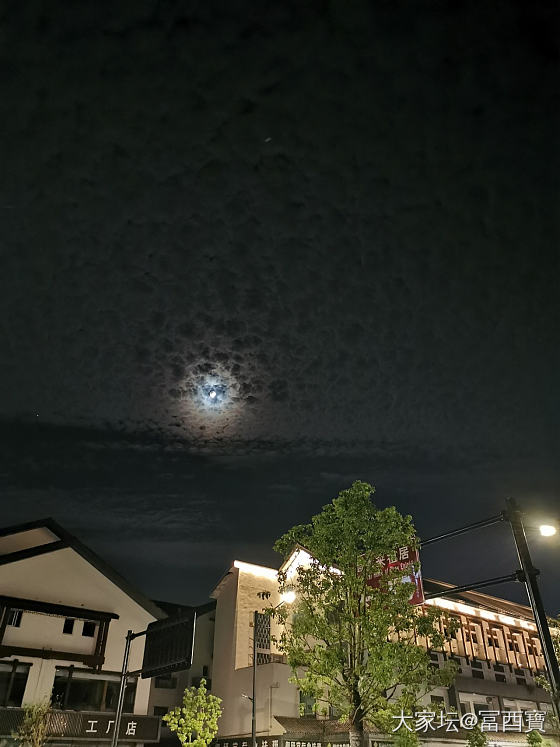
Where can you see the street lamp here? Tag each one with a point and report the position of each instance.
(528, 574)
(288, 596)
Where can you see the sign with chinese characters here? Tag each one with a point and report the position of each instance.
(280, 741)
(405, 559)
(133, 728)
(169, 645)
(488, 721)
(84, 726)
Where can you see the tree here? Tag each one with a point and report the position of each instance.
(196, 721)
(534, 739)
(34, 728)
(350, 646)
(477, 738)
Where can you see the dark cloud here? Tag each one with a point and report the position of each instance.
(344, 216)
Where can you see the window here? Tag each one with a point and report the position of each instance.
(437, 699)
(14, 618)
(262, 634)
(166, 681)
(306, 704)
(477, 674)
(89, 629)
(498, 668)
(13, 679)
(80, 690)
(500, 677)
(68, 626)
(161, 711)
(476, 664)
(521, 680)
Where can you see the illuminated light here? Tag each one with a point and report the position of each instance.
(212, 394)
(440, 602)
(506, 620)
(547, 530)
(288, 596)
(487, 615)
(296, 560)
(260, 571)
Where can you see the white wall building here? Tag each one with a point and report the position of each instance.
(497, 650)
(64, 616)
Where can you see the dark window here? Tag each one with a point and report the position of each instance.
(500, 678)
(81, 692)
(89, 629)
(498, 668)
(13, 678)
(166, 681)
(477, 674)
(14, 618)
(434, 656)
(161, 711)
(306, 704)
(68, 626)
(476, 664)
(519, 672)
(439, 699)
(262, 634)
(521, 680)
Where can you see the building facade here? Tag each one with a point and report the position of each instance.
(64, 616)
(496, 648)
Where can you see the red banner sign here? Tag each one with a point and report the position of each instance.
(406, 558)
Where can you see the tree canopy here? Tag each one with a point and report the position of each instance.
(354, 648)
(196, 721)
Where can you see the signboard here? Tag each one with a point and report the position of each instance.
(405, 558)
(83, 726)
(284, 740)
(169, 645)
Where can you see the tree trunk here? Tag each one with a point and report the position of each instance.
(356, 736)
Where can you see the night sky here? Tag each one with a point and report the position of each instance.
(341, 217)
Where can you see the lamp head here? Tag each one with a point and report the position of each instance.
(288, 596)
(547, 530)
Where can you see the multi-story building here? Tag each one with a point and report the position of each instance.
(496, 648)
(64, 616)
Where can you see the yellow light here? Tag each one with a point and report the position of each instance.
(547, 530)
(288, 596)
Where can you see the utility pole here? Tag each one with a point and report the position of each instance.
(122, 688)
(254, 699)
(530, 574)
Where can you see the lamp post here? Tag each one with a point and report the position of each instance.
(528, 574)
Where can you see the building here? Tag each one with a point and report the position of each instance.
(496, 647)
(64, 616)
